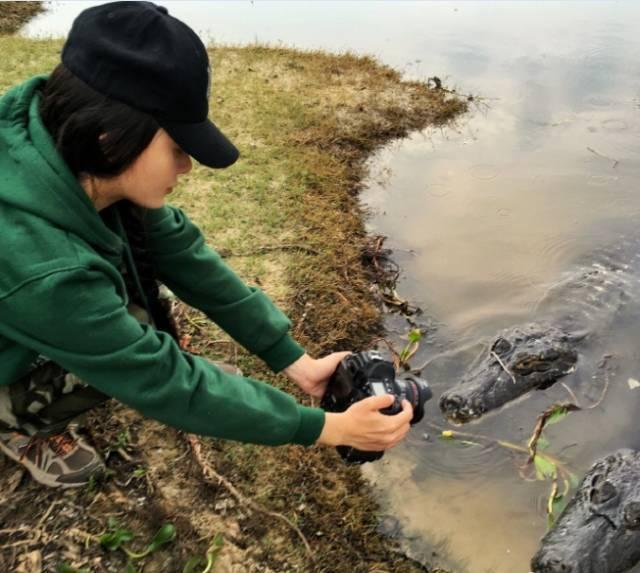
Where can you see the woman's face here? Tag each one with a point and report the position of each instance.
(150, 178)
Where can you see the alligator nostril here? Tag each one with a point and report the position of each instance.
(451, 403)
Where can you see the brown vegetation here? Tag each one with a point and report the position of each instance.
(13, 15)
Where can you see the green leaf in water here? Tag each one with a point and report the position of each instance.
(558, 412)
(559, 503)
(555, 508)
(415, 335)
(575, 482)
(544, 468)
(542, 443)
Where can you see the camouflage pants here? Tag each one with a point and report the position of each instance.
(48, 398)
(45, 400)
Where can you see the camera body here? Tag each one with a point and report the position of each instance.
(366, 374)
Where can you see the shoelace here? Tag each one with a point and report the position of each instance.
(61, 444)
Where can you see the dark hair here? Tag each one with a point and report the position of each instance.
(98, 136)
(93, 133)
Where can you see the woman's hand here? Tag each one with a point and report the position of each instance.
(362, 426)
(312, 375)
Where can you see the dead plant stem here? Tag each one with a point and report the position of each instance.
(267, 249)
(210, 475)
(571, 393)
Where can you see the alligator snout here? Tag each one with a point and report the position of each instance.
(452, 403)
(519, 360)
(457, 408)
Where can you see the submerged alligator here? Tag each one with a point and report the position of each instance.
(536, 355)
(599, 531)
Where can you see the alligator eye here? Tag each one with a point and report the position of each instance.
(500, 346)
(603, 493)
(632, 515)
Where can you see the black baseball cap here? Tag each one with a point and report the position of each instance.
(136, 53)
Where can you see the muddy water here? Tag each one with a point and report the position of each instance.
(485, 217)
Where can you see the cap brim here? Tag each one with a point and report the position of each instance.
(203, 141)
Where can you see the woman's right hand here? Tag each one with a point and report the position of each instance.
(363, 427)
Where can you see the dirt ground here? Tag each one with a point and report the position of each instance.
(306, 122)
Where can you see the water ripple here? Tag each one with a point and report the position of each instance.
(484, 171)
(614, 125)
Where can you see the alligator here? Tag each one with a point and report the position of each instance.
(599, 530)
(537, 354)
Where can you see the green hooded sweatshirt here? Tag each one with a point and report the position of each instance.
(62, 296)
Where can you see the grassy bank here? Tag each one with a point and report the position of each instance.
(287, 218)
(14, 14)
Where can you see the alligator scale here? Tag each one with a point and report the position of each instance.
(535, 355)
(599, 530)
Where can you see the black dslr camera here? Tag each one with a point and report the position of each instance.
(366, 374)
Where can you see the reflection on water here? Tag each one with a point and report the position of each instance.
(538, 184)
(444, 511)
(485, 216)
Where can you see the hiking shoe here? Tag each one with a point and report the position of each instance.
(64, 460)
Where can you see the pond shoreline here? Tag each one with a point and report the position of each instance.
(306, 123)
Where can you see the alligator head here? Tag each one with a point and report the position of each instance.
(599, 531)
(519, 360)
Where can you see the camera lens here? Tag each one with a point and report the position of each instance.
(417, 392)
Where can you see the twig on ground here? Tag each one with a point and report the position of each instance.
(267, 249)
(210, 475)
(14, 530)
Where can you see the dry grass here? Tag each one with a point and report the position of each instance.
(13, 15)
(286, 217)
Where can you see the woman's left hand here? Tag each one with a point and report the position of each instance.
(312, 375)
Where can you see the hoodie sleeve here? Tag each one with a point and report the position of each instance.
(199, 277)
(76, 318)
